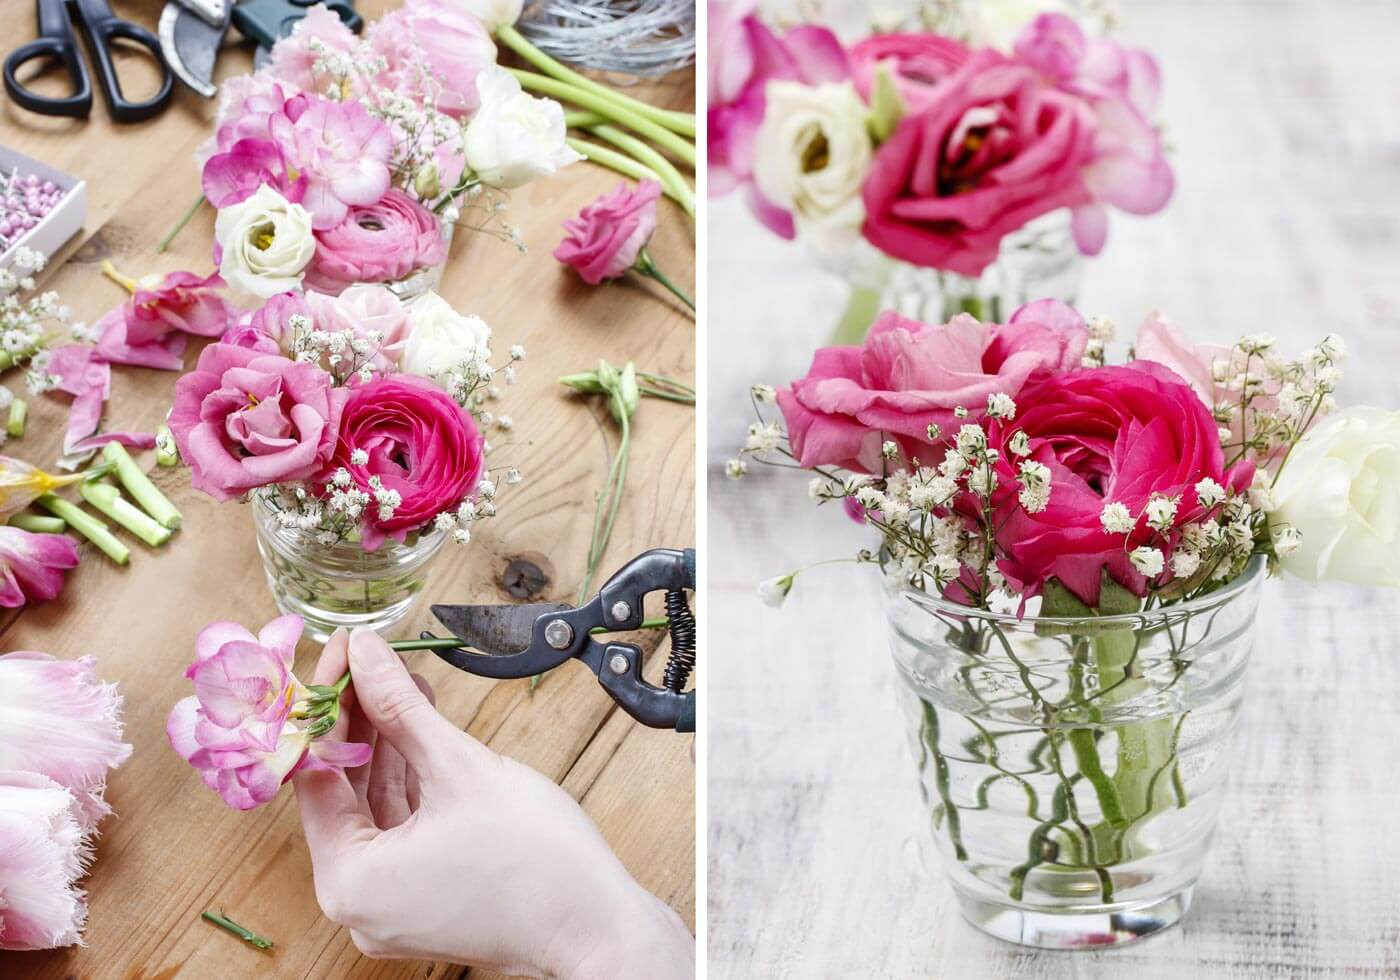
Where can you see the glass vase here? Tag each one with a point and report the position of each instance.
(1073, 769)
(330, 586)
(1038, 261)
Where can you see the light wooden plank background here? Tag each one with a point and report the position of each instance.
(174, 849)
(1286, 131)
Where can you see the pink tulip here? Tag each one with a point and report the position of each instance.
(57, 718)
(341, 150)
(82, 373)
(32, 566)
(44, 851)
(603, 242)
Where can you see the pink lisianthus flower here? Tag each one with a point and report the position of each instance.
(1107, 435)
(266, 329)
(243, 419)
(235, 174)
(44, 852)
(237, 729)
(32, 566)
(606, 237)
(150, 328)
(744, 56)
(917, 63)
(908, 375)
(293, 61)
(440, 39)
(368, 312)
(58, 719)
(378, 242)
(341, 150)
(424, 448)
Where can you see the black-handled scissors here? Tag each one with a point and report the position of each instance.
(57, 41)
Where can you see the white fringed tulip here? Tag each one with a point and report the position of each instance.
(44, 850)
(494, 14)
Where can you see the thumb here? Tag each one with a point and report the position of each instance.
(395, 706)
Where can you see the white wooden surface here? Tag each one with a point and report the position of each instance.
(1285, 117)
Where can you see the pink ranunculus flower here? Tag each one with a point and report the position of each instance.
(917, 63)
(244, 419)
(998, 146)
(377, 242)
(606, 237)
(32, 566)
(150, 328)
(420, 444)
(367, 311)
(909, 375)
(44, 852)
(440, 38)
(57, 718)
(293, 61)
(1108, 435)
(235, 174)
(237, 729)
(342, 151)
(744, 56)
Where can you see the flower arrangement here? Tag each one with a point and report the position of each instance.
(930, 150)
(343, 160)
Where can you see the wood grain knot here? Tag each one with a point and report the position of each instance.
(527, 575)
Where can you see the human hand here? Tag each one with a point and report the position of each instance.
(441, 849)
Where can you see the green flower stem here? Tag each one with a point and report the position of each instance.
(38, 523)
(619, 162)
(667, 175)
(661, 379)
(682, 123)
(941, 780)
(610, 500)
(658, 134)
(856, 319)
(19, 412)
(228, 925)
(180, 225)
(670, 396)
(108, 500)
(86, 525)
(140, 486)
(1144, 747)
(647, 266)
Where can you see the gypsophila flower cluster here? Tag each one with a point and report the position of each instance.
(27, 325)
(344, 354)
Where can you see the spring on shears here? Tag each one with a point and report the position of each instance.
(682, 627)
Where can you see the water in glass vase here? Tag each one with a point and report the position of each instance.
(1073, 770)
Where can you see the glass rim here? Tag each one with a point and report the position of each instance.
(1253, 573)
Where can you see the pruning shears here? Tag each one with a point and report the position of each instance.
(526, 640)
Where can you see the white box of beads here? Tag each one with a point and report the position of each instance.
(41, 207)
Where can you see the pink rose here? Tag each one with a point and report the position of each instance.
(377, 242)
(917, 63)
(421, 445)
(244, 419)
(1108, 435)
(996, 147)
(909, 375)
(366, 311)
(603, 242)
(237, 729)
(447, 41)
(32, 566)
(150, 328)
(342, 151)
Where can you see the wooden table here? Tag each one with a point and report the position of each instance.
(174, 849)
(1287, 152)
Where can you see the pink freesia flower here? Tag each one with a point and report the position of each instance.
(378, 242)
(246, 103)
(342, 151)
(441, 39)
(82, 373)
(917, 63)
(265, 328)
(366, 311)
(244, 419)
(293, 62)
(1109, 434)
(236, 173)
(44, 852)
(237, 729)
(744, 56)
(606, 237)
(150, 328)
(57, 718)
(421, 445)
(909, 375)
(32, 566)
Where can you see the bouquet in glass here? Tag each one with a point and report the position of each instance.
(345, 161)
(941, 176)
(1073, 552)
(355, 425)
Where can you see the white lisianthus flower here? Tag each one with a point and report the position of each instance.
(266, 243)
(441, 340)
(514, 137)
(774, 591)
(1340, 490)
(812, 154)
(493, 14)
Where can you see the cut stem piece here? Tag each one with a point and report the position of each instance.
(38, 523)
(228, 925)
(108, 499)
(19, 413)
(142, 490)
(88, 526)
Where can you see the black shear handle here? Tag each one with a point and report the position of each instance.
(57, 41)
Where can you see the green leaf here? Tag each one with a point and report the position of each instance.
(886, 107)
(1060, 603)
